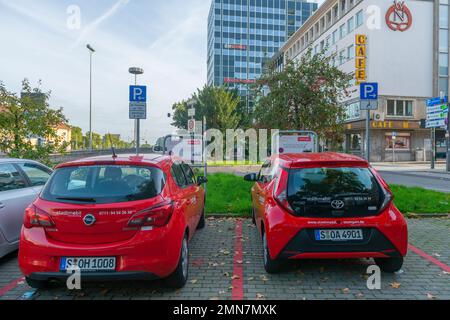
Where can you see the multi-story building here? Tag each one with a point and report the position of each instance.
(402, 45)
(243, 34)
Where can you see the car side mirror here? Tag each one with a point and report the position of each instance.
(252, 177)
(201, 180)
(157, 149)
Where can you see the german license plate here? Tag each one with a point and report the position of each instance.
(339, 234)
(89, 264)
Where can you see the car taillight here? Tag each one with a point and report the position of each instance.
(280, 191)
(36, 218)
(388, 198)
(157, 216)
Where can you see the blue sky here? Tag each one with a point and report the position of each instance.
(166, 38)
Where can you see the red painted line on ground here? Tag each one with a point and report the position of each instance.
(431, 259)
(10, 286)
(237, 292)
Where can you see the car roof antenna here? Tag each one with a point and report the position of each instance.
(114, 155)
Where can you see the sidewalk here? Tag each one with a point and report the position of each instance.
(422, 167)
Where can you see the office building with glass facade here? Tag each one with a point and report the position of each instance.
(243, 34)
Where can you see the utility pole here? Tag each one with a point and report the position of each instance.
(91, 52)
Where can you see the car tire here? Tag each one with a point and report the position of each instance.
(202, 222)
(389, 265)
(179, 277)
(272, 266)
(37, 284)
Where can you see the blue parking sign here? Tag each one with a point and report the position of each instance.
(138, 94)
(369, 91)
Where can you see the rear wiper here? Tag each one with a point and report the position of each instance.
(79, 199)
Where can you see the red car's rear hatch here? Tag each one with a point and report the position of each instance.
(93, 224)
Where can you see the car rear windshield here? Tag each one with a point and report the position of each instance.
(331, 192)
(104, 184)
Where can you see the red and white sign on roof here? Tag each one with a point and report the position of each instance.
(399, 17)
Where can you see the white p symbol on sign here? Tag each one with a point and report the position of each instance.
(137, 93)
(369, 91)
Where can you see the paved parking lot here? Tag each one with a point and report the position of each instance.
(226, 263)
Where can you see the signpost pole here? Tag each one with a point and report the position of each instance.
(369, 94)
(368, 135)
(433, 148)
(448, 140)
(137, 71)
(138, 125)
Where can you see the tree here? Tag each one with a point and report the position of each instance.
(217, 104)
(77, 139)
(28, 126)
(304, 96)
(97, 141)
(116, 141)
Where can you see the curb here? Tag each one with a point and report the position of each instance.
(425, 215)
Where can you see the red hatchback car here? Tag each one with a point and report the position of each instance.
(124, 218)
(326, 206)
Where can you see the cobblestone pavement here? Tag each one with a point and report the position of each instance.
(226, 263)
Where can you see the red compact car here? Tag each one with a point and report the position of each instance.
(124, 218)
(326, 206)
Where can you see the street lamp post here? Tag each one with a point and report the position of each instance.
(91, 52)
(137, 123)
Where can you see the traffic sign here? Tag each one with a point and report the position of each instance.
(438, 108)
(436, 101)
(369, 105)
(437, 116)
(435, 123)
(138, 110)
(191, 112)
(437, 112)
(138, 94)
(369, 91)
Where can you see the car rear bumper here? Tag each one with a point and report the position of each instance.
(305, 246)
(290, 237)
(96, 276)
(154, 252)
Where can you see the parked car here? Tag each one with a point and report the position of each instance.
(20, 183)
(120, 218)
(326, 206)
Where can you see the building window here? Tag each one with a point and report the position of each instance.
(443, 40)
(443, 85)
(359, 18)
(335, 36)
(443, 64)
(342, 31)
(355, 142)
(402, 141)
(351, 24)
(351, 52)
(352, 111)
(342, 58)
(400, 108)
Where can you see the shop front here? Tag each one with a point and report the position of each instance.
(392, 140)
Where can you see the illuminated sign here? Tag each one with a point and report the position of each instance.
(399, 17)
(236, 46)
(233, 80)
(361, 58)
